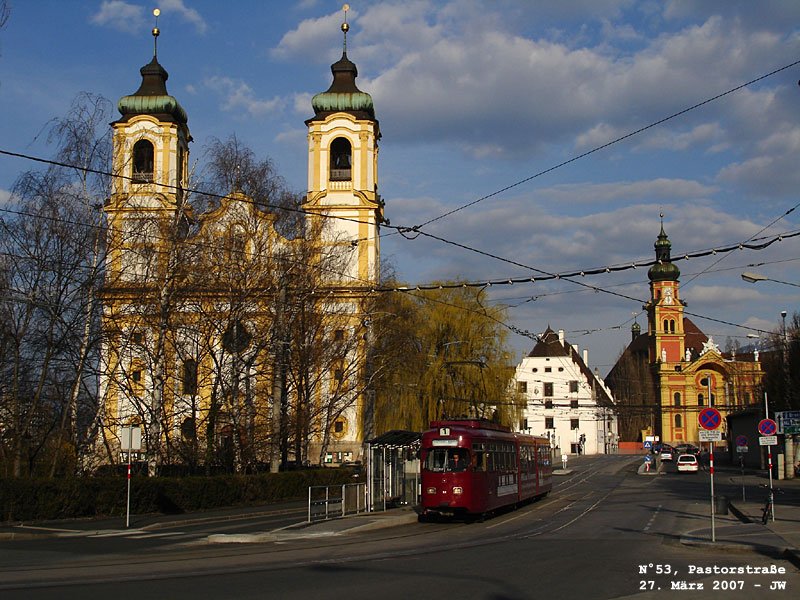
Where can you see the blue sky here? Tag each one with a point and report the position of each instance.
(472, 97)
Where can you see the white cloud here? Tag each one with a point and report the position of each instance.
(292, 137)
(671, 190)
(719, 296)
(121, 16)
(239, 96)
(189, 15)
(311, 39)
(133, 18)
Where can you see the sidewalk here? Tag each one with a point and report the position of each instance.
(331, 527)
(741, 528)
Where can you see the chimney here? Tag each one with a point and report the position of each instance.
(561, 336)
(586, 356)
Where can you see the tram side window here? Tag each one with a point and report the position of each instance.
(478, 451)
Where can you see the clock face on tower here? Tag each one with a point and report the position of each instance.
(668, 296)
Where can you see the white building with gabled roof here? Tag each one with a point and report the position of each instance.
(565, 399)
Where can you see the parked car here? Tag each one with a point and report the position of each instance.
(687, 449)
(666, 454)
(688, 463)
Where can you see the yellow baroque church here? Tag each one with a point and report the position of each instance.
(683, 370)
(227, 345)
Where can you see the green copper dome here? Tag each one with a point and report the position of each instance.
(343, 95)
(152, 98)
(664, 270)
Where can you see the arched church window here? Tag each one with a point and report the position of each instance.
(143, 161)
(188, 429)
(678, 421)
(341, 160)
(237, 243)
(189, 376)
(672, 325)
(677, 398)
(700, 399)
(666, 326)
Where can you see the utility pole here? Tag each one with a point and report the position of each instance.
(278, 372)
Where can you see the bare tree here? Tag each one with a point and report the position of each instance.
(50, 320)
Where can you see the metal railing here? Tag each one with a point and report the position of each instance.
(336, 501)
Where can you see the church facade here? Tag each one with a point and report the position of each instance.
(680, 370)
(226, 343)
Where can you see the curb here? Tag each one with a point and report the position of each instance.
(300, 530)
(793, 556)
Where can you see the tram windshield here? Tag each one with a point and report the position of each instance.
(442, 460)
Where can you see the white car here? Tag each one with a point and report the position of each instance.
(688, 463)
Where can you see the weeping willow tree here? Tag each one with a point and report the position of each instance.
(441, 354)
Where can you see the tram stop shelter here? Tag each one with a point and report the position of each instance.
(393, 469)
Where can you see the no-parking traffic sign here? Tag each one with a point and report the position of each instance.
(767, 427)
(709, 418)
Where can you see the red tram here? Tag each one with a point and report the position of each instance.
(473, 467)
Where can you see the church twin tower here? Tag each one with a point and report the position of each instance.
(155, 371)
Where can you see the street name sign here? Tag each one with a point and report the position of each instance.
(788, 421)
(768, 440)
(708, 435)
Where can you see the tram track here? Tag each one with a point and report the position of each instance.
(569, 502)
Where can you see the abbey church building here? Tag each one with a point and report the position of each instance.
(228, 345)
(678, 370)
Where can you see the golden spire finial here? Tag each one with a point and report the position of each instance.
(156, 31)
(345, 26)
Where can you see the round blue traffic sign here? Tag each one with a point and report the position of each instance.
(741, 440)
(767, 427)
(709, 418)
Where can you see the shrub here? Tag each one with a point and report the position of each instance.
(80, 497)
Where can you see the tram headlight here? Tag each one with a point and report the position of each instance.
(457, 491)
(431, 490)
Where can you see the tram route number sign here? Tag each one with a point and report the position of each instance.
(710, 435)
(709, 418)
(767, 427)
(768, 440)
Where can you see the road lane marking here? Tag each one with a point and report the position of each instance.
(653, 518)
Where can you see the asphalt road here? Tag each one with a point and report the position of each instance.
(604, 532)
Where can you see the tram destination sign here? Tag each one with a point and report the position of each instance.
(788, 421)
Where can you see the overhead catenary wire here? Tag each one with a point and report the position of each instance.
(416, 230)
(621, 138)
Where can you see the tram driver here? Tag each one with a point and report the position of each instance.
(457, 460)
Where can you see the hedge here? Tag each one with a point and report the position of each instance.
(82, 497)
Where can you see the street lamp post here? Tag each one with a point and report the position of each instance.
(751, 277)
